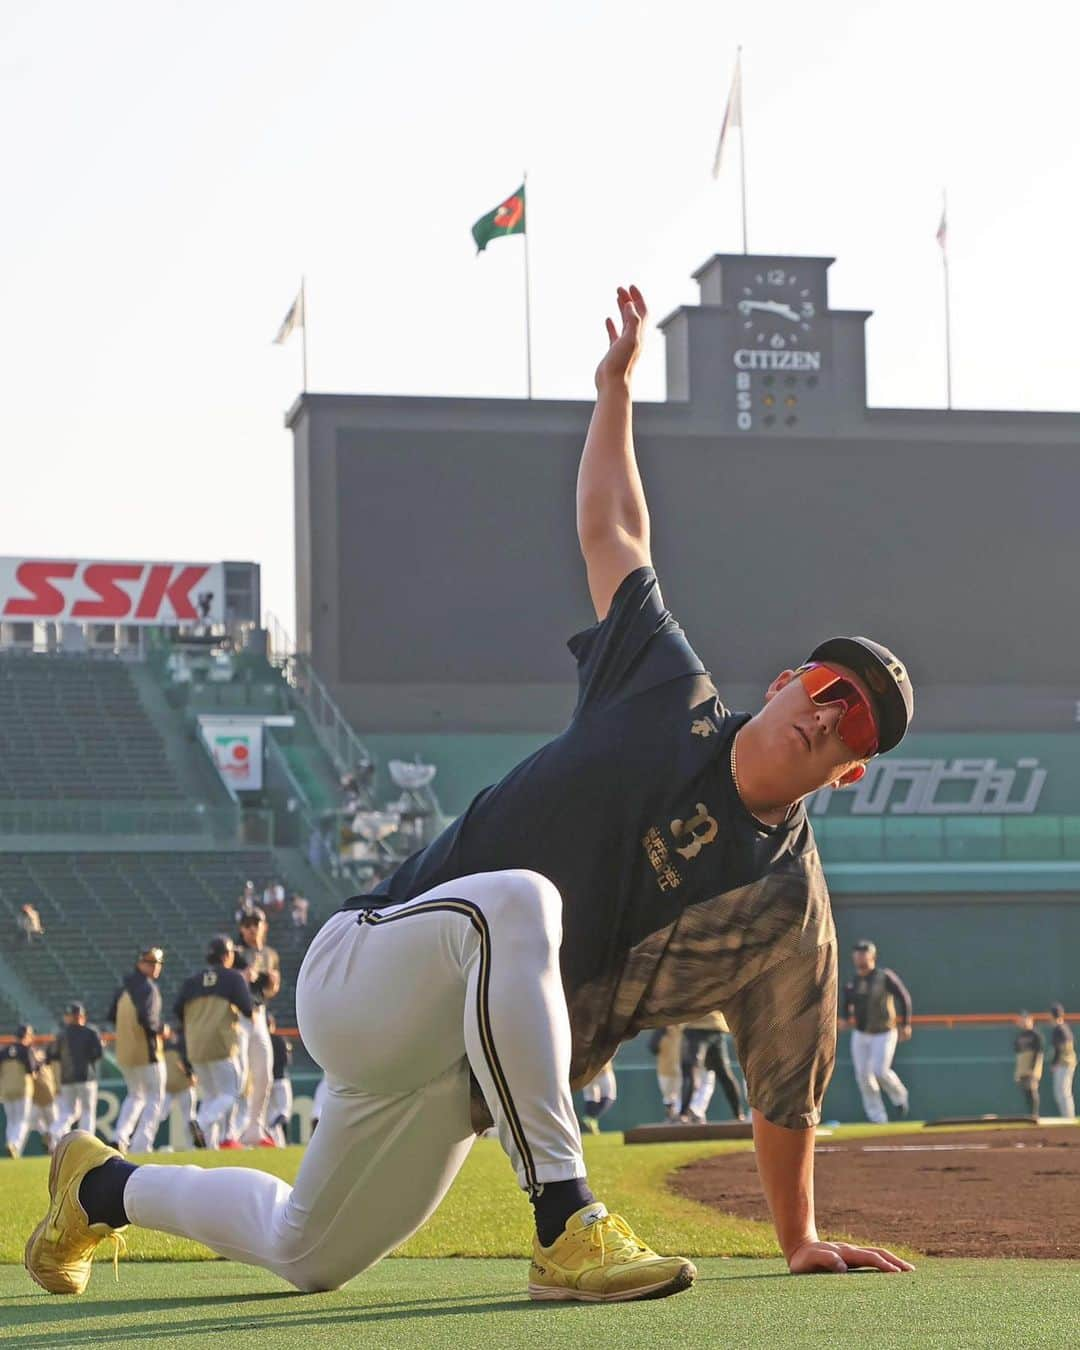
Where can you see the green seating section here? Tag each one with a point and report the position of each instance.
(99, 909)
(73, 728)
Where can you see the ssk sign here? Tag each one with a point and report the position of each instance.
(69, 591)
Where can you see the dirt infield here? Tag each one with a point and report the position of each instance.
(976, 1193)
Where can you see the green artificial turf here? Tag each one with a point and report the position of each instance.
(944, 1305)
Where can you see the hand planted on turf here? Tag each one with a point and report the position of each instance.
(837, 1258)
(625, 345)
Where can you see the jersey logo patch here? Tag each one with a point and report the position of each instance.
(704, 726)
(691, 827)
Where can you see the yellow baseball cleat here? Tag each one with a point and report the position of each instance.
(598, 1259)
(61, 1248)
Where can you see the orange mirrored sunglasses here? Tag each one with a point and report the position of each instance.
(857, 727)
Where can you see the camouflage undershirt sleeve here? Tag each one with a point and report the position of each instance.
(784, 1024)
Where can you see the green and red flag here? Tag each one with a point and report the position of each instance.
(507, 218)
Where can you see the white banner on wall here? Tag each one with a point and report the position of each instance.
(72, 590)
(236, 747)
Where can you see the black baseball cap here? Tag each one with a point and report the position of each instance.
(23, 1029)
(251, 916)
(155, 954)
(219, 948)
(1057, 1010)
(884, 675)
(865, 945)
(75, 1010)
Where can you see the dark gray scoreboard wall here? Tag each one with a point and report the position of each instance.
(459, 579)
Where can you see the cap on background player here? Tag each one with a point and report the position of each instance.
(75, 1010)
(220, 947)
(154, 956)
(884, 675)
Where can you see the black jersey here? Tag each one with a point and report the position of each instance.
(676, 901)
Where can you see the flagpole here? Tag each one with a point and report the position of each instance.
(948, 307)
(742, 148)
(528, 301)
(303, 328)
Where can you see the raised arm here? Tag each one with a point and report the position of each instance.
(612, 516)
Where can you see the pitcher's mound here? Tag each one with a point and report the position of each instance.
(971, 1193)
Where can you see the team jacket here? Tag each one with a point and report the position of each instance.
(46, 1085)
(264, 964)
(282, 1055)
(77, 1050)
(136, 1012)
(178, 1072)
(872, 999)
(1028, 1048)
(18, 1065)
(208, 1007)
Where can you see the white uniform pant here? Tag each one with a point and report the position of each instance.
(78, 1107)
(280, 1109)
(17, 1115)
(44, 1120)
(185, 1102)
(602, 1088)
(219, 1089)
(871, 1056)
(466, 975)
(140, 1115)
(258, 1061)
(1062, 1075)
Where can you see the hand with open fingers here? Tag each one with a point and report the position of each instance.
(837, 1258)
(625, 338)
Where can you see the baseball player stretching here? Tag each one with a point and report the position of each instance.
(651, 864)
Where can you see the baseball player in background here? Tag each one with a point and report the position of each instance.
(1028, 1048)
(208, 1009)
(1063, 1063)
(666, 1044)
(19, 1063)
(706, 1061)
(180, 1089)
(136, 1013)
(77, 1049)
(870, 1006)
(45, 1104)
(651, 864)
(279, 1112)
(260, 966)
(600, 1095)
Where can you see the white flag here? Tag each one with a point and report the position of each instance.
(294, 318)
(732, 114)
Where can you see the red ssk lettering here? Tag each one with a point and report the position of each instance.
(44, 599)
(177, 592)
(101, 578)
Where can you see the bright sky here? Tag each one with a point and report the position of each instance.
(171, 167)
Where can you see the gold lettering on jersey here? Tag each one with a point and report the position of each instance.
(690, 827)
(704, 726)
(656, 850)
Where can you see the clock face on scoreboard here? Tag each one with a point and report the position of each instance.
(775, 310)
(781, 339)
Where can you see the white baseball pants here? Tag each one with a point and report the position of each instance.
(465, 975)
(185, 1102)
(251, 1121)
(219, 1088)
(280, 1109)
(17, 1123)
(1062, 1076)
(78, 1107)
(871, 1057)
(140, 1115)
(602, 1086)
